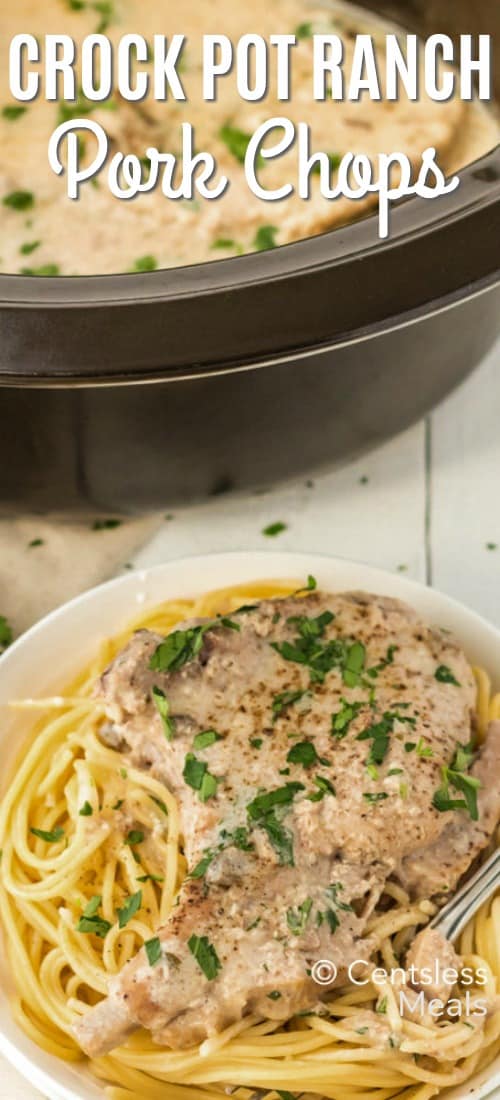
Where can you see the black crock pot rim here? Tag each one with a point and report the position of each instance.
(408, 319)
(353, 241)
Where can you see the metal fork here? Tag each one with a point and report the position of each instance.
(451, 920)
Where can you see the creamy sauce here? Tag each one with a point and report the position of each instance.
(99, 234)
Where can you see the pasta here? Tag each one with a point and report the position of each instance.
(63, 835)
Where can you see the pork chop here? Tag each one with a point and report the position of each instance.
(315, 745)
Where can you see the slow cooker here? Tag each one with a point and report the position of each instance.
(128, 392)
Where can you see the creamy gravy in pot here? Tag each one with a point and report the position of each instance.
(48, 234)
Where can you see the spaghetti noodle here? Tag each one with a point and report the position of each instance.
(63, 834)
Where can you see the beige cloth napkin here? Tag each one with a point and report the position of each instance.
(45, 562)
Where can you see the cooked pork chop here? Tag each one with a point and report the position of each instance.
(316, 746)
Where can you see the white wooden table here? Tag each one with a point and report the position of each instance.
(426, 503)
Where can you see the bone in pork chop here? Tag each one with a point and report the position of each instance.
(316, 746)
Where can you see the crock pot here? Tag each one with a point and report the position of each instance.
(128, 392)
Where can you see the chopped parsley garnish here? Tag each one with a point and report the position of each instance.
(274, 995)
(343, 718)
(265, 810)
(104, 8)
(34, 543)
(45, 271)
(146, 263)
(237, 141)
(379, 732)
(182, 646)
(135, 836)
(197, 776)
(239, 838)
(202, 866)
(91, 922)
(445, 676)
(330, 915)
(107, 12)
(354, 664)
(265, 238)
(13, 111)
(381, 1008)
(97, 926)
(92, 906)
(308, 648)
(51, 836)
(153, 950)
(86, 810)
(384, 663)
(324, 787)
(297, 918)
(6, 634)
(274, 529)
(304, 30)
(161, 703)
(224, 243)
(456, 776)
(206, 956)
(285, 699)
(28, 247)
(19, 200)
(304, 752)
(106, 524)
(256, 742)
(376, 797)
(280, 796)
(206, 738)
(129, 909)
(150, 878)
(160, 803)
(118, 805)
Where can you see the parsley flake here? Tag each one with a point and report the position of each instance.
(19, 200)
(206, 738)
(274, 529)
(297, 918)
(161, 703)
(50, 836)
(153, 950)
(444, 675)
(129, 909)
(206, 956)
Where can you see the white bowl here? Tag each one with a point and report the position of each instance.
(48, 654)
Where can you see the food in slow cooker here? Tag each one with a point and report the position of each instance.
(44, 233)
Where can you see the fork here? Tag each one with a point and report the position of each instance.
(451, 920)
